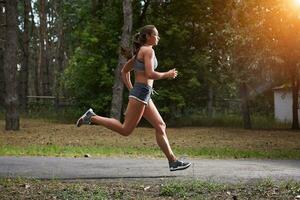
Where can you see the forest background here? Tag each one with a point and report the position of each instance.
(230, 55)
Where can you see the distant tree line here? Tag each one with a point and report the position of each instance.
(227, 49)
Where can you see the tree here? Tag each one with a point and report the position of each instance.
(2, 43)
(33, 70)
(247, 48)
(92, 42)
(188, 43)
(118, 87)
(142, 16)
(43, 65)
(286, 33)
(10, 66)
(60, 52)
(25, 62)
(283, 33)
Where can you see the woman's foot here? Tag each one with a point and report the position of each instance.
(178, 165)
(85, 118)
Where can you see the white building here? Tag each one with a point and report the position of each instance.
(283, 102)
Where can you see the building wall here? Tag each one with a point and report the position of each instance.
(283, 105)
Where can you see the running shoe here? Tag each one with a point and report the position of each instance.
(179, 165)
(85, 118)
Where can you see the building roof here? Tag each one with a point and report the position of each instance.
(283, 87)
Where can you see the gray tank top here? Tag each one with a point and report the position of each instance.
(139, 65)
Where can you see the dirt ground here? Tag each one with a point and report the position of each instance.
(163, 189)
(42, 132)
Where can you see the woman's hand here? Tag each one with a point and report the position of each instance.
(172, 73)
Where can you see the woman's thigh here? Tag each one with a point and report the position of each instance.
(134, 113)
(152, 115)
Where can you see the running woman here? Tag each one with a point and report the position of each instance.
(144, 64)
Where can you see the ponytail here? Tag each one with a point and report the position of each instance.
(140, 38)
(136, 43)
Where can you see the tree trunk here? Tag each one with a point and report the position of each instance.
(33, 70)
(210, 102)
(24, 68)
(10, 66)
(60, 51)
(142, 16)
(245, 105)
(94, 7)
(116, 105)
(2, 43)
(295, 91)
(50, 45)
(42, 66)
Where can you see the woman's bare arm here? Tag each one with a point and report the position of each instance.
(125, 73)
(149, 69)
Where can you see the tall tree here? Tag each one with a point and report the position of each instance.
(116, 105)
(237, 55)
(25, 61)
(284, 25)
(60, 48)
(288, 45)
(34, 69)
(247, 47)
(43, 39)
(2, 40)
(10, 66)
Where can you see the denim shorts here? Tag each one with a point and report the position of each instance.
(141, 92)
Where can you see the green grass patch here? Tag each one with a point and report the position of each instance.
(79, 151)
(236, 153)
(262, 189)
(78, 192)
(189, 189)
(20, 188)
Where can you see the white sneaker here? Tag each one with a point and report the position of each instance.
(85, 118)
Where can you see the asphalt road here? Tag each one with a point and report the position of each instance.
(126, 168)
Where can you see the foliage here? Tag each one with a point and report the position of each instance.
(215, 45)
(186, 44)
(89, 77)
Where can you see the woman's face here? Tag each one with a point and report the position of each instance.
(153, 38)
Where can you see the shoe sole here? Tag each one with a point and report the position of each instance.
(180, 168)
(79, 121)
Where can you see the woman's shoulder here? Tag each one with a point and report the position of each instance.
(147, 50)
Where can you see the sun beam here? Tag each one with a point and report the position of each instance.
(297, 2)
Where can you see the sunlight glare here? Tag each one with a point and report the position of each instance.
(297, 2)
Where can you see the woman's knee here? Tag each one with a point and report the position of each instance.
(127, 132)
(161, 127)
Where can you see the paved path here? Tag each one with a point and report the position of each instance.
(125, 168)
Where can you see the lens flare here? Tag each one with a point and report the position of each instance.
(297, 2)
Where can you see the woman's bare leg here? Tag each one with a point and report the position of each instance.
(134, 113)
(152, 115)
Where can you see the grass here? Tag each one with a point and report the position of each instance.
(228, 120)
(262, 189)
(163, 189)
(35, 189)
(106, 151)
(194, 119)
(77, 151)
(44, 138)
(185, 189)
